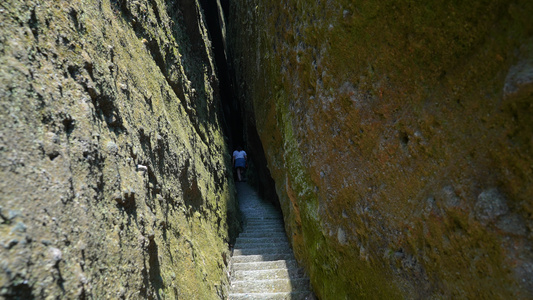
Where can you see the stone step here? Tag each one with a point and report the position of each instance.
(262, 225)
(256, 243)
(263, 218)
(264, 265)
(257, 211)
(254, 209)
(260, 240)
(261, 233)
(258, 203)
(264, 235)
(273, 296)
(251, 275)
(270, 286)
(261, 213)
(269, 229)
(265, 257)
(262, 245)
(272, 220)
(262, 251)
(252, 245)
(264, 222)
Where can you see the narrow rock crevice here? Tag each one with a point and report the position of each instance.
(239, 126)
(232, 122)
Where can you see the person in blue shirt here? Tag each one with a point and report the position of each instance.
(239, 162)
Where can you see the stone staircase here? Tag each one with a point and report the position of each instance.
(263, 264)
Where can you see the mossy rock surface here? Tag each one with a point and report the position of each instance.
(114, 174)
(399, 138)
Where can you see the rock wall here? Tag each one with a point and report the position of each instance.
(114, 170)
(399, 136)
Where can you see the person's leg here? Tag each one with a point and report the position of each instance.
(239, 173)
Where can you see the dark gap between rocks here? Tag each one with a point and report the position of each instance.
(238, 132)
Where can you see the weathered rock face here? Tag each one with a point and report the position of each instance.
(399, 136)
(114, 182)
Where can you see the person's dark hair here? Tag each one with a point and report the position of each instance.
(239, 148)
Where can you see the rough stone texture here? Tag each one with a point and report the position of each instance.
(399, 135)
(114, 183)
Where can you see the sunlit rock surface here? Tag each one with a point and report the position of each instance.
(399, 135)
(114, 183)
